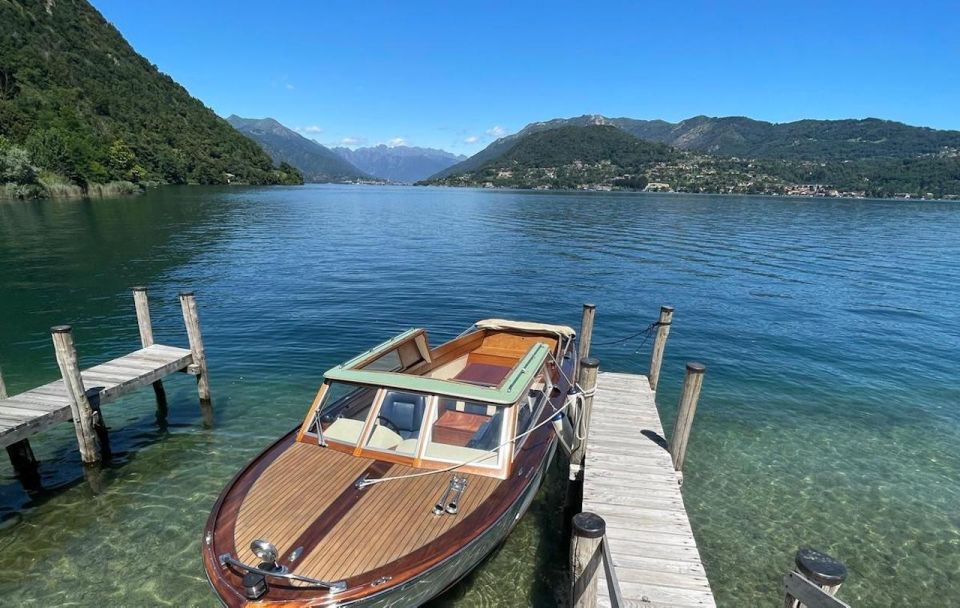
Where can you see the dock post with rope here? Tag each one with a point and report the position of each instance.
(636, 546)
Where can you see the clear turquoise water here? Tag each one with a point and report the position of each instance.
(830, 331)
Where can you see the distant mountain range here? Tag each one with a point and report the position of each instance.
(402, 164)
(867, 157)
(317, 162)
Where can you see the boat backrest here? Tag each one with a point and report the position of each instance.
(404, 410)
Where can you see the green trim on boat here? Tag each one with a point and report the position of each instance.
(511, 389)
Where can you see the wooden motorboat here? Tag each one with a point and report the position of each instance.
(411, 465)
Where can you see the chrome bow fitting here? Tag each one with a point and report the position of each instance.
(254, 579)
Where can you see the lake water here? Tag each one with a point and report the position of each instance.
(830, 330)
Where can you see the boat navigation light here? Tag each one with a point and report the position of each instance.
(265, 551)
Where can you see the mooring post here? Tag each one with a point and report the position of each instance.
(586, 559)
(191, 318)
(659, 344)
(586, 330)
(587, 380)
(21, 454)
(142, 305)
(819, 568)
(85, 419)
(692, 382)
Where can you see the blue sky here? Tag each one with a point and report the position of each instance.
(456, 75)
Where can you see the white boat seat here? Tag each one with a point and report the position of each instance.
(454, 453)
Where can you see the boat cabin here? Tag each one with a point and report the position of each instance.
(463, 403)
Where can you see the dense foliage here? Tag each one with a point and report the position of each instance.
(80, 103)
(820, 140)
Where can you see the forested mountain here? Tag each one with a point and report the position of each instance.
(803, 140)
(559, 154)
(571, 156)
(78, 105)
(403, 164)
(827, 140)
(317, 162)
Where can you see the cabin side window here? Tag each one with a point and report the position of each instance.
(343, 412)
(397, 425)
(465, 431)
(529, 408)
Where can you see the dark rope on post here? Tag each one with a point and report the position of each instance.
(646, 332)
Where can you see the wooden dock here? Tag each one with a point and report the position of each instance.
(629, 480)
(79, 394)
(34, 411)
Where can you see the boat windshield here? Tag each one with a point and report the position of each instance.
(344, 410)
(463, 431)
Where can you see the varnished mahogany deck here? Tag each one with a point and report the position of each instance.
(386, 522)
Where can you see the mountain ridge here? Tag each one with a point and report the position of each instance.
(739, 136)
(402, 164)
(597, 154)
(316, 162)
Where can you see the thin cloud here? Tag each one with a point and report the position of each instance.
(290, 87)
(471, 140)
(352, 141)
(496, 131)
(397, 141)
(312, 129)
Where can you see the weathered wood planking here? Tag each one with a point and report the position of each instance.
(629, 481)
(29, 413)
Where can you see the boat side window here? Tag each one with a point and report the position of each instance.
(344, 410)
(464, 431)
(397, 425)
(388, 362)
(530, 407)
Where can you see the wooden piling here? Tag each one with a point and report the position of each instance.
(84, 418)
(586, 559)
(587, 380)
(142, 305)
(659, 344)
(820, 569)
(191, 318)
(586, 330)
(687, 408)
(21, 453)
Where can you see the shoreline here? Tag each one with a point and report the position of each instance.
(675, 192)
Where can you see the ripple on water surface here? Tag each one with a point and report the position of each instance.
(830, 329)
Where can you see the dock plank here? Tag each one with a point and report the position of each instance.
(33, 411)
(629, 481)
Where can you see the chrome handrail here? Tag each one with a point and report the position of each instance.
(613, 584)
(335, 587)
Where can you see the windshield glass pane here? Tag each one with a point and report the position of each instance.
(344, 410)
(398, 423)
(464, 431)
